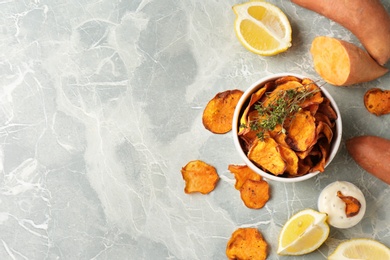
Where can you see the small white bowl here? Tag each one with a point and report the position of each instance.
(236, 119)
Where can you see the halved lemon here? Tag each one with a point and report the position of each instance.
(303, 233)
(262, 27)
(360, 248)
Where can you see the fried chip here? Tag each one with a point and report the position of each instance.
(254, 98)
(322, 156)
(243, 173)
(278, 135)
(377, 101)
(218, 113)
(327, 109)
(247, 243)
(352, 205)
(304, 166)
(275, 94)
(199, 177)
(248, 134)
(302, 131)
(265, 154)
(324, 129)
(285, 79)
(291, 159)
(315, 99)
(255, 194)
(322, 117)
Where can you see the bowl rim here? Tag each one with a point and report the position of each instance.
(247, 93)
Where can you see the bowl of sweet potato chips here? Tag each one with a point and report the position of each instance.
(287, 127)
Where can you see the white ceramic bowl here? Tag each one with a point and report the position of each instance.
(236, 119)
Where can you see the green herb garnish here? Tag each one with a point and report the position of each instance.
(284, 106)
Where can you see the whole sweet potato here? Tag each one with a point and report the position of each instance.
(372, 153)
(368, 20)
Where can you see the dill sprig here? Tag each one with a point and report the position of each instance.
(281, 109)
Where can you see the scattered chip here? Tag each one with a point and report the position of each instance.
(247, 243)
(255, 194)
(218, 114)
(377, 101)
(352, 205)
(243, 173)
(199, 177)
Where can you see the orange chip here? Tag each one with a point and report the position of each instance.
(199, 177)
(285, 79)
(315, 99)
(291, 159)
(327, 109)
(322, 117)
(304, 166)
(254, 98)
(325, 130)
(324, 148)
(246, 243)
(302, 131)
(218, 113)
(243, 173)
(255, 194)
(377, 101)
(278, 135)
(352, 205)
(265, 153)
(275, 94)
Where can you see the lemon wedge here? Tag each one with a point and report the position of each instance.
(303, 233)
(360, 248)
(262, 28)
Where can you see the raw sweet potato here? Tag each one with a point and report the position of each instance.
(377, 101)
(368, 20)
(372, 153)
(342, 63)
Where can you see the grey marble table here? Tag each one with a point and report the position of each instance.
(100, 107)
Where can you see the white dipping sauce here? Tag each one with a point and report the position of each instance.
(331, 204)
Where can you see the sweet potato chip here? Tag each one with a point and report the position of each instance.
(352, 205)
(199, 177)
(247, 243)
(255, 194)
(304, 166)
(265, 154)
(314, 99)
(243, 173)
(254, 98)
(322, 117)
(322, 156)
(285, 79)
(377, 101)
(327, 109)
(275, 94)
(218, 114)
(325, 130)
(291, 159)
(302, 131)
(278, 135)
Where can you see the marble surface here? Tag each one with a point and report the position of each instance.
(100, 107)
